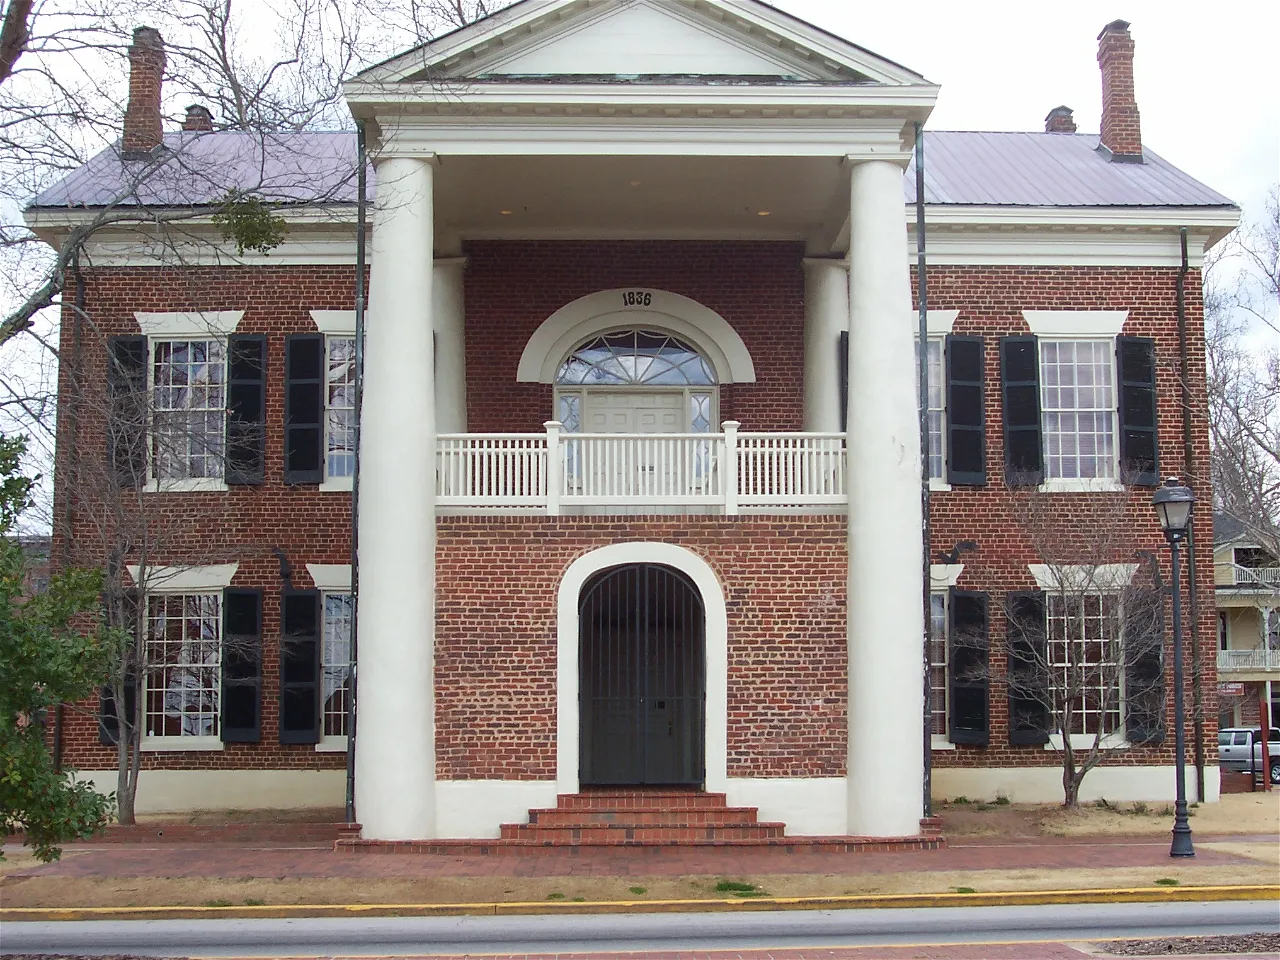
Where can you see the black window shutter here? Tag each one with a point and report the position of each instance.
(968, 666)
(246, 408)
(300, 667)
(108, 711)
(241, 665)
(304, 408)
(1144, 686)
(966, 423)
(127, 397)
(1028, 679)
(842, 362)
(1136, 372)
(1020, 380)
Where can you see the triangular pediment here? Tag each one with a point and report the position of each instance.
(567, 39)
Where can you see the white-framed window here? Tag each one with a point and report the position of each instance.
(188, 384)
(183, 682)
(1078, 408)
(335, 667)
(1084, 650)
(937, 410)
(340, 406)
(939, 694)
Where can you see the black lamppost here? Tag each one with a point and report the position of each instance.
(1174, 503)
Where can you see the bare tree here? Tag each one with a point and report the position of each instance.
(1080, 658)
(1242, 318)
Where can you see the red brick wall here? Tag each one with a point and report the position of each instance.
(991, 301)
(512, 286)
(784, 580)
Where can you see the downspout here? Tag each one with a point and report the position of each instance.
(922, 365)
(362, 212)
(1197, 669)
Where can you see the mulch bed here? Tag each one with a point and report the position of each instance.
(1264, 943)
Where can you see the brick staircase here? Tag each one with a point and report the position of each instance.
(610, 817)
(646, 819)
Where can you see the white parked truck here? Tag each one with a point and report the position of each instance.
(1240, 748)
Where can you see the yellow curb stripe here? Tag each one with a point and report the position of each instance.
(517, 908)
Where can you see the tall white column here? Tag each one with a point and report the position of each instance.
(885, 615)
(449, 320)
(826, 315)
(395, 731)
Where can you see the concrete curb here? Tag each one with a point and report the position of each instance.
(1009, 899)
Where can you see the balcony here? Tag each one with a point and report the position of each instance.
(555, 472)
(1261, 658)
(1256, 578)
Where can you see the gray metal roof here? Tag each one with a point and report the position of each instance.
(1048, 170)
(1004, 169)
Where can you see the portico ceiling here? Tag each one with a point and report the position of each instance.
(572, 197)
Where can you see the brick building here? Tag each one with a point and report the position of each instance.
(639, 490)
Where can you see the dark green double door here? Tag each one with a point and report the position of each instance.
(642, 675)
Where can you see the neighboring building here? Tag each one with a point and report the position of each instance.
(1246, 580)
(614, 531)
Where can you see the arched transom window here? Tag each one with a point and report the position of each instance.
(634, 358)
(636, 381)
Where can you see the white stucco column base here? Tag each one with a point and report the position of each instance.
(1122, 784)
(395, 729)
(885, 607)
(826, 315)
(448, 319)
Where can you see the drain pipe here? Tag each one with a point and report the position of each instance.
(922, 364)
(362, 213)
(1197, 668)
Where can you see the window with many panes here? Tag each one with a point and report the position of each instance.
(1083, 652)
(1078, 408)
(340, 406)
(188, 389)
(937, 411)
(335, 671)
(183, 658)
(938, 664)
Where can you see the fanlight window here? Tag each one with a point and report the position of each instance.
(635, 358)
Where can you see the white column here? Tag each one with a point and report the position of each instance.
(449, 320)
(885, 615)
(395, 730)
(826, 315)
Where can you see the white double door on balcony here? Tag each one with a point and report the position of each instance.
(662, 457)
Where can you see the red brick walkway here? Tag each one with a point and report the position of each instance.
(245, 860)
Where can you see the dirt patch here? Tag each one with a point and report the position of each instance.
(1263, 943)
(1242, 813)
(183, 891)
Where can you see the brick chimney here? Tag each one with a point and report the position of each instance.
(198, 119)
(1059, 120)
(1121, 127)
(142, 126)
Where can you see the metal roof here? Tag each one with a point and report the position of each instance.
(1048, 170)
(984, 169)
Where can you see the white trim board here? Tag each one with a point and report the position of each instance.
(1044, 784)
(943, 575)
(1105, 576)
(185, 579)
(1076, 323)
(335, 323)
(333, 577)
(210, 323)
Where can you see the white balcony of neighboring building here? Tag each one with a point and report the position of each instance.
(1236, 575)
(555, 472)
(1260, 658)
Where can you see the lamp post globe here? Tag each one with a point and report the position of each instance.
(1174, 504)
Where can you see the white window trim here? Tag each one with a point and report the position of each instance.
(206, 579)
(939, 741)
(186, 484)
(331, 577)
(331, 745)
(938, 323)
(209, 325)
(335, 323)
(180, 744)
(944, 575)
(336, 485)
(1077, 324)
(1103, 578)
(1083, 741)
(1084, 484)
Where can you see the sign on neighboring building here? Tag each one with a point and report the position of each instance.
(1234, 689)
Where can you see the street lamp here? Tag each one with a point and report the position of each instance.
(1174, 503)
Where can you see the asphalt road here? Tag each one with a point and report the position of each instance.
(636, 932)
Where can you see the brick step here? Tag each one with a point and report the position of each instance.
(636, 816)
(549, 847)
(931, 826)
(648, 799)
(587, 832)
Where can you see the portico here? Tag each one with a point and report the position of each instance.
(809, 149)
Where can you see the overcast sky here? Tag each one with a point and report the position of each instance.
(1206, 74)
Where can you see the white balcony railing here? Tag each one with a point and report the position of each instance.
(728, 471)
(1262, 658)
(1265, 578)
